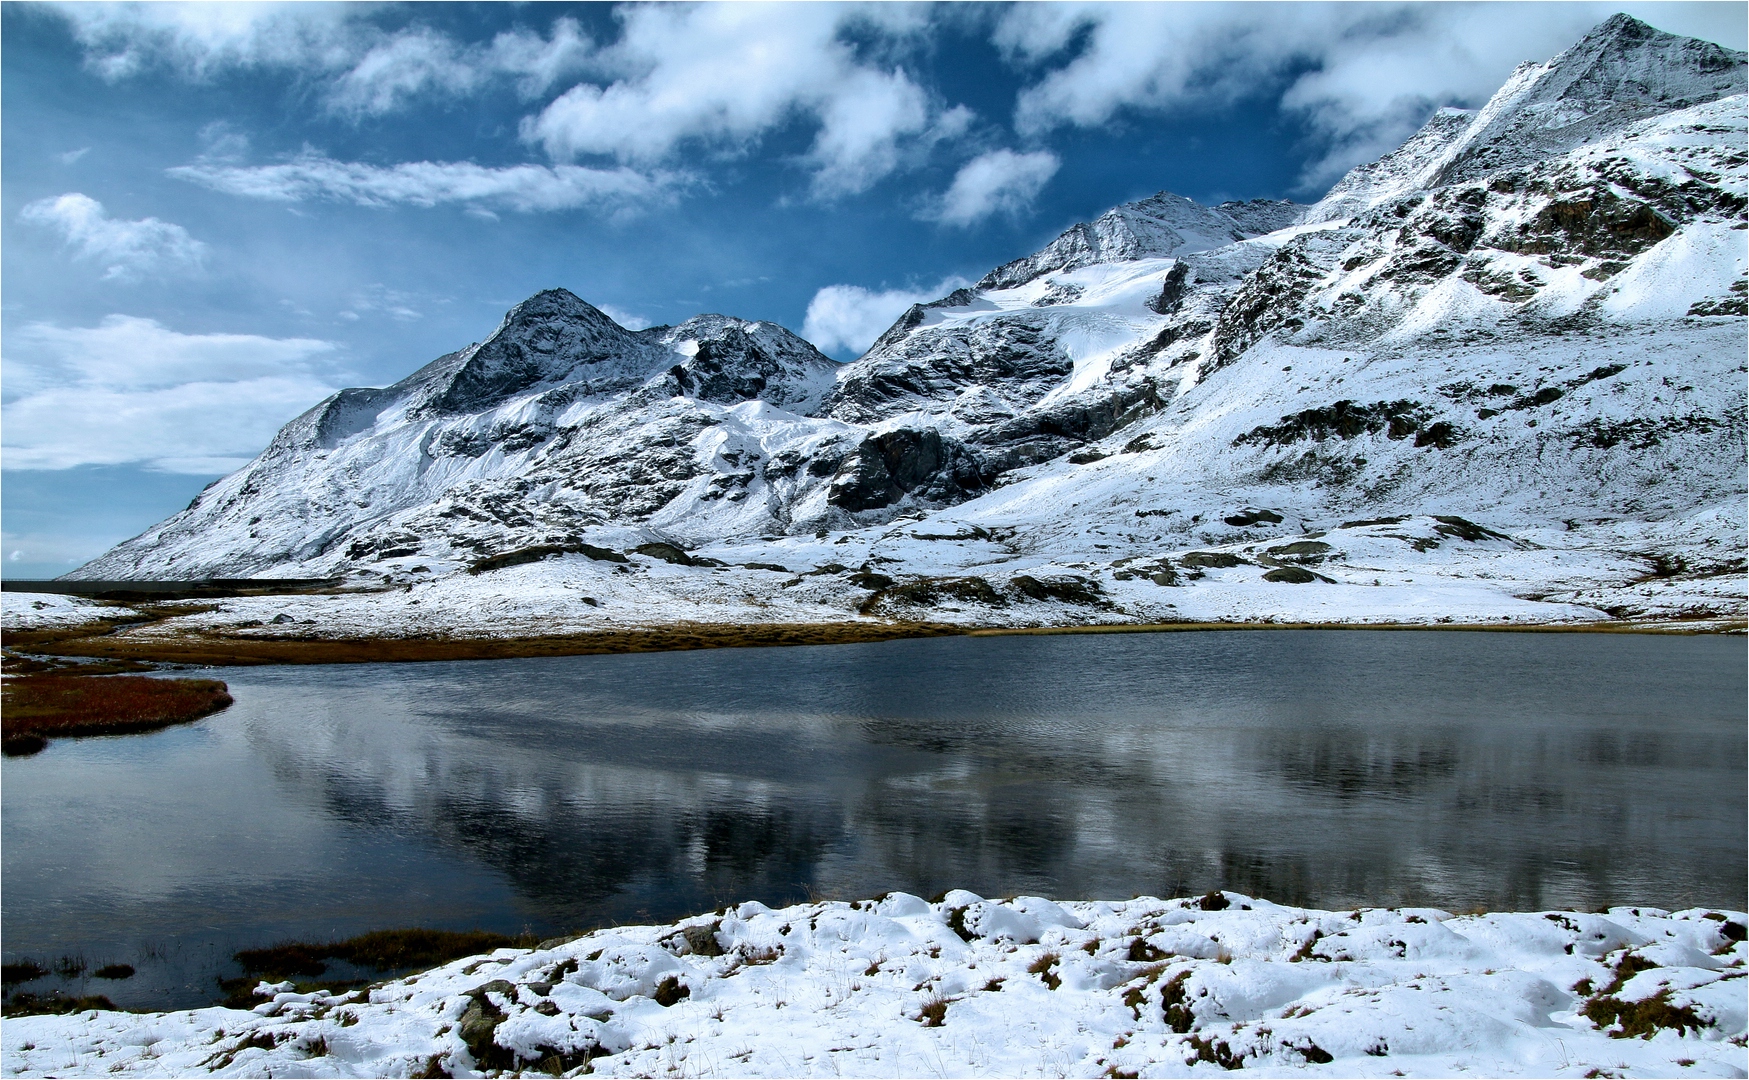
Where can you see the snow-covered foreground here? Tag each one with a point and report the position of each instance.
(1023, 987)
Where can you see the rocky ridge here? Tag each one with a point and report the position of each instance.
(1528, 319)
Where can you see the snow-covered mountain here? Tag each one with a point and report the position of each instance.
(1501, 369)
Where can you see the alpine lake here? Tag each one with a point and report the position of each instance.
(1334, 769)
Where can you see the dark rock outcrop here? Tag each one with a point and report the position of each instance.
(887, 467)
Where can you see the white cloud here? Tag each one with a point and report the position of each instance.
(536, 62)
(1368, 74)
(72, 157)
(1000, 181)
(722, 76)
(409, 64)
(525, 188)
(130, 390)
(420, 62)
(624, 318)
(860, 130)
(380, 298)
(200, 39)
(370, 71)
(223, 143)
(127, 249)
(850, 317)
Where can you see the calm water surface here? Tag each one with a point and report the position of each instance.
(1322, 768)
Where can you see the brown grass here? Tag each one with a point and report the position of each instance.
(382, 950)
(213, 649)
(39, 706)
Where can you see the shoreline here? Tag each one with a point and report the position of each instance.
(961, 985)
(110, 641)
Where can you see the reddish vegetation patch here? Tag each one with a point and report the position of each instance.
(40, 706)
(240, 650)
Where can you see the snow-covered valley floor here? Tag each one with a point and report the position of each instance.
(1024, 987)
(952, 569)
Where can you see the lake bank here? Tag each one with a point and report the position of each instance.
(112, 641)
(1025, 987)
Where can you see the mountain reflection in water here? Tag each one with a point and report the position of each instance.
(1322, 768)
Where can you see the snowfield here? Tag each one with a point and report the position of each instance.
(1021, 987)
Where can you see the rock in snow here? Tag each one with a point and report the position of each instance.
(1529, 319)
(971, 987)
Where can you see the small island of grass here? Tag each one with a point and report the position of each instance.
(39, 706)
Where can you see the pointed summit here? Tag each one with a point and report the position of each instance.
(551, 302)
(1621, 72)
(1623, 61)
(552, 336)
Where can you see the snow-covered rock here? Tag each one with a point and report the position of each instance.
(970, 987)
(1530, 318)
(1159, 226)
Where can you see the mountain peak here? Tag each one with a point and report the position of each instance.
(1625, 60)
(552, 336)
(1622, 72)
(1622, 25)
(554, 303)
(1159, 226)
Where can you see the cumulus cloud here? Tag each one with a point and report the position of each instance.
(130, 390)
(127, 250)
(850, 317)
(524, 188)
(1363, 75)
(1000, 181)
(722, 76)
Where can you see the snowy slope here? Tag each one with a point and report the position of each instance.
(1498, 374)
(971, 987)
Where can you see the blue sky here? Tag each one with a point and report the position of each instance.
(215, 215)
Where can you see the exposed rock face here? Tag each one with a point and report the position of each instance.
(551, 338)
(1014, 357)
(1537, 307)
(887, 467)
(729, 361)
